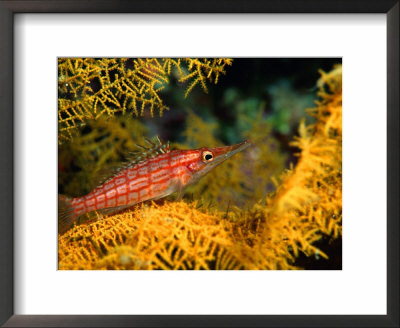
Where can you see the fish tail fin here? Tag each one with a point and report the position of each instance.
(66, 214)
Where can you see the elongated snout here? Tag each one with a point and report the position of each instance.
(223, 153)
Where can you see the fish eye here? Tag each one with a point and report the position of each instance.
(207, 156)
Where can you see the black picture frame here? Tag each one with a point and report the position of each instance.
(7, 11)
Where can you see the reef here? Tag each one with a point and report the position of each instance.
(231, 219)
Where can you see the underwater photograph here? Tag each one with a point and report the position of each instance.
(199, 163)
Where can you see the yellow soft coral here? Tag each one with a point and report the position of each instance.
(89, 88)
(172, 236)
(308, 202)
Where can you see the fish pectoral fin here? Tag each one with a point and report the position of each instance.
(113, 210)
(180, 192)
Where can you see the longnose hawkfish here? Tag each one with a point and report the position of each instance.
(153, 173)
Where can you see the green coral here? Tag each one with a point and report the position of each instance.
(288, 106)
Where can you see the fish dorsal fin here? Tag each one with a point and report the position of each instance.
(153, 148)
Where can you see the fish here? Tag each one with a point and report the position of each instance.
(154, 172)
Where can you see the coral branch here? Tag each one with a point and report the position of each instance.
(90, 88)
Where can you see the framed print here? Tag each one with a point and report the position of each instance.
(189, 165)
